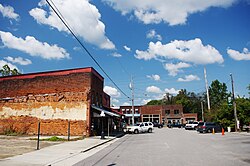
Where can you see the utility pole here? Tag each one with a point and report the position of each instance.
(234, 105)
(202, 113)
(208, 101)
(132, 99)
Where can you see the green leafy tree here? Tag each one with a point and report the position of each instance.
(6, 71)
(218, 94)
(243, 110)
(183, 98)
(154, 102)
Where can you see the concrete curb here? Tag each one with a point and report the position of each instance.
(100, 144)
(61, 161)
(67, 153)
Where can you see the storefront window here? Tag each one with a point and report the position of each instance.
(167, 112)
(176, 111)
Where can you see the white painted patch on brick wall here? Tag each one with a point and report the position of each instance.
(47, 112)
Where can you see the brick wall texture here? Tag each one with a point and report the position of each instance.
(52, 98)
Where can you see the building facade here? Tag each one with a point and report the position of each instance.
(166, 114)
(55, 99)
(127, 112)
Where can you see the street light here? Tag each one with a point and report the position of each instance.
(102, 133)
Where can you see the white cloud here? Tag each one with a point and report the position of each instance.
(127, 48)
(145, 101)
(189, 78)
(2, 63)
(236, 55)
(126, 104)
(82, 16)
(115, 54)
(153, 34)
(33, 47)
(77, 48)
(189, 51)
(113, 92)
(153, 89)
(155, 77)
(18, 60)
(115, 101)
(172, 91)
(174, 69)
(167, 11)
(8, 11)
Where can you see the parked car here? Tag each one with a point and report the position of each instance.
(207, 127)
(156, 124)
(179, 125)
(140, 128)
(191, 126)
(246, 128)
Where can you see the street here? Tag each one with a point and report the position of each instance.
(174, 147)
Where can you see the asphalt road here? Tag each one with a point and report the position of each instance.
(174, 147)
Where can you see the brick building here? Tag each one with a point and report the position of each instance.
(54, 98)
(167, 114)
(127, 112)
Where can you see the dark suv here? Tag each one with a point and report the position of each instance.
(207, 127)
(156, 124)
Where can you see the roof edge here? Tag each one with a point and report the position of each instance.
(53, 73)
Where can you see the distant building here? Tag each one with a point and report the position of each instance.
(167, 114)
(55, 98)
(127, 112)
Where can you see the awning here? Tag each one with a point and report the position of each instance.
(130, 115)
(105, 111)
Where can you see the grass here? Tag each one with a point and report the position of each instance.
(55, 138)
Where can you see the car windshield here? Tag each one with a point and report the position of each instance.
(201, 124)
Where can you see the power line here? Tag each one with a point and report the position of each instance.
(60, 16)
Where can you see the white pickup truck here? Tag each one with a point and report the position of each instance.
(191, 126)
(140, 128)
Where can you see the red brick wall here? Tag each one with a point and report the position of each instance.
(47, 84)
(172, 108)
(151, 109)
(29, 125)
(52, 89)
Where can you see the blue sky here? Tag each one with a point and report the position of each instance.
(164, 45)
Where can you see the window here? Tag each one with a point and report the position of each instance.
(176, 111)
(167, 112)
(150, 118)
(136, 111)
(146, 124)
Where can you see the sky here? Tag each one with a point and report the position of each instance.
(162, 45)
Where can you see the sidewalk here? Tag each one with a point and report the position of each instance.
(67, 153)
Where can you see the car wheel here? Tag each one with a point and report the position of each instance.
(150, 130)
(136, 131)
(209, 131)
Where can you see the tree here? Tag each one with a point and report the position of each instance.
(6, 71)
(243, 110)
(218, 94)
(154, 102)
